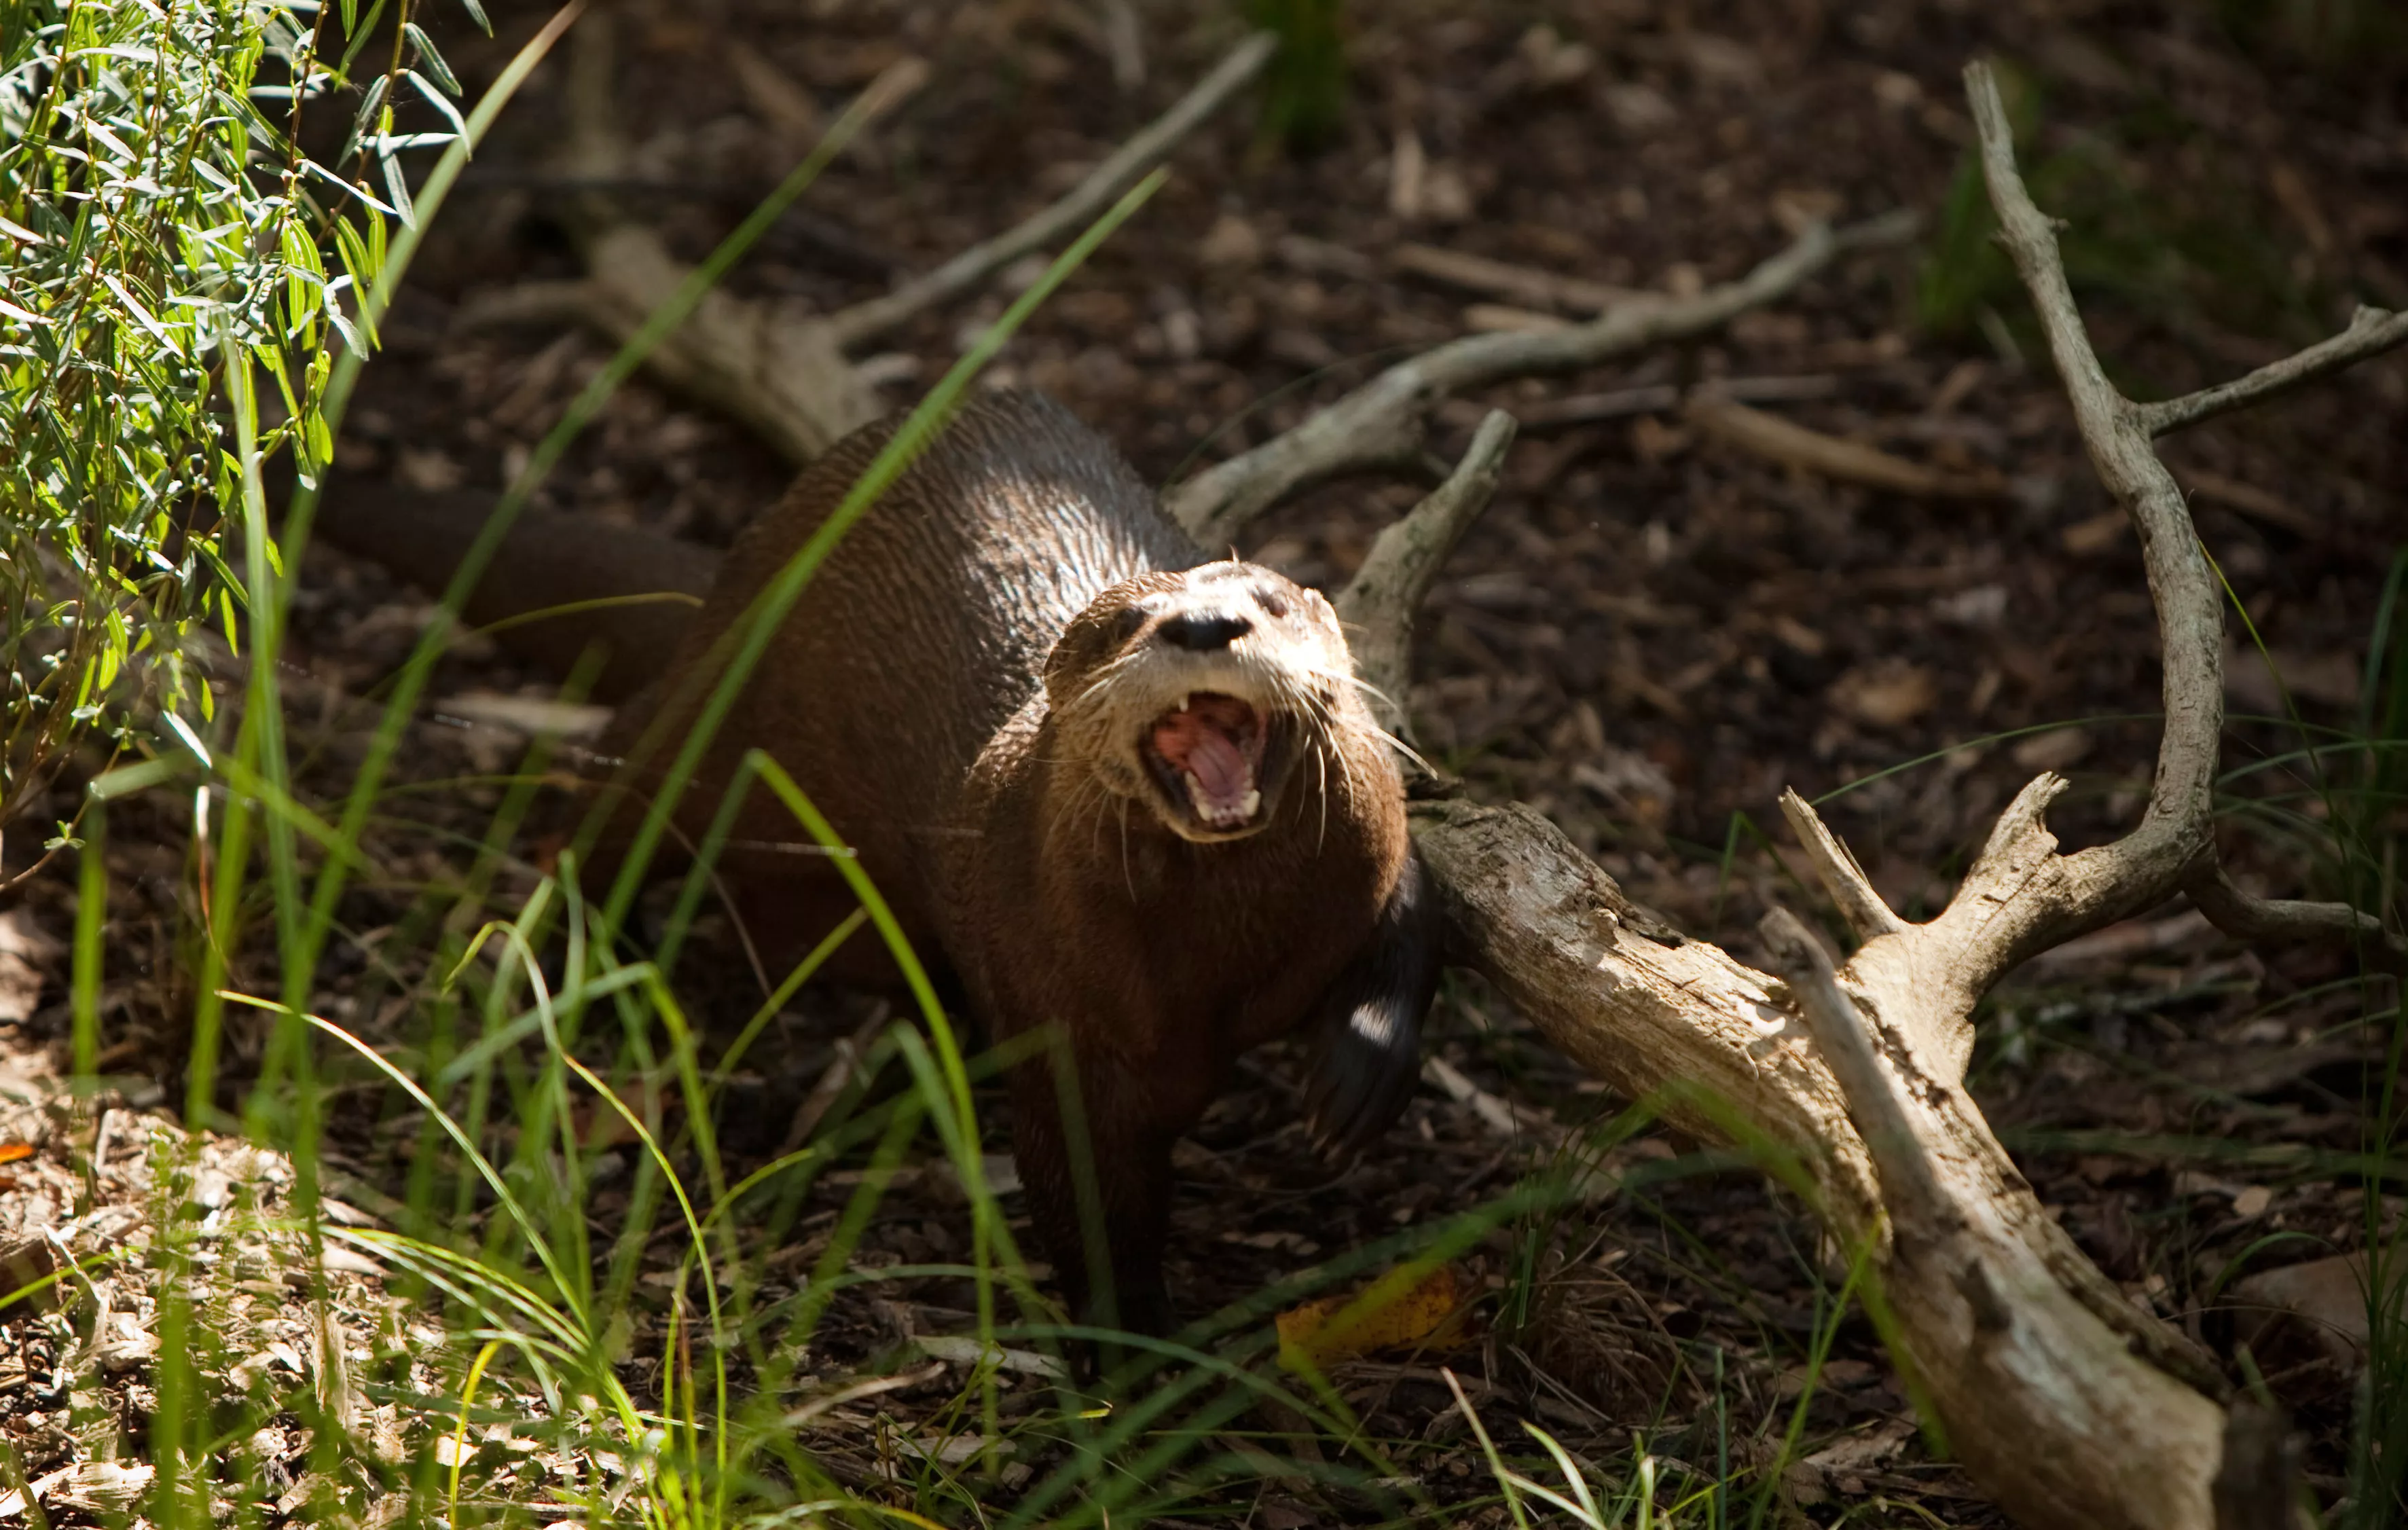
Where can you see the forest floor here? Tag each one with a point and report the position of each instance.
(1648, 635)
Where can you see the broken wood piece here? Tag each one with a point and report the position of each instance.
(1836, 866)
(1378, 604)
(1910, 1184)
(1793, 445)
(1523, 285)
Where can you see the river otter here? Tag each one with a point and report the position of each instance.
(1120, 789)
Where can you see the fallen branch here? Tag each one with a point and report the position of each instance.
(780, 372)
(1127, 166)
(1379, 425)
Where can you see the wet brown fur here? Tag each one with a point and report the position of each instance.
(952, 692)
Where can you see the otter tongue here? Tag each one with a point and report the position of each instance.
(1219, 767)
(1206, 740)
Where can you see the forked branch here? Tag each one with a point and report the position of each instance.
(2174, 847)
(1379, 425)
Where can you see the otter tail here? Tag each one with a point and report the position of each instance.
(630, 593)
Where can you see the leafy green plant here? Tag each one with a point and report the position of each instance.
(159, 222)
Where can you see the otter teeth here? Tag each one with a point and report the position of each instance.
(1218, 816)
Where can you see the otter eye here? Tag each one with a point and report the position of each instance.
(1274, 605)
(1126, 623)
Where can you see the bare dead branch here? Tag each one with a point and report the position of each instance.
(2174, 833)
(1379, 602)
(1836, 868)
(1379, 425)
(2174, 846)
(1910, 1186)
(1677, 1022)
(1125, 167)
(2372, 331)
(2244, 917)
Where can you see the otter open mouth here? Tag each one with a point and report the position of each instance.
(1207, 755)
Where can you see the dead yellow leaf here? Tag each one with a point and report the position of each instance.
(1399, 1308)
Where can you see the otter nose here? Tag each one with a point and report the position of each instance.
(1200, 632)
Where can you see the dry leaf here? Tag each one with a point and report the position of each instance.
(2329, 680)
(1887, 693)
(25, 950)
(1428, 1311)
(1231, 241)
(2054, 750)
(2325, 1296)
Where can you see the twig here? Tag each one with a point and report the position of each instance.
(1126, 166)
(1380, 423)
(1622, 403)
(1518, 283)
(1849, 462)
(2244, 917)
(1836, 866)
(1125, 40)
(2372, 331)
(1379, 602)
(1910, 1185)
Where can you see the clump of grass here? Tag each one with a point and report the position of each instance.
(2338, 36)
(1304, 93)
(2172, 256)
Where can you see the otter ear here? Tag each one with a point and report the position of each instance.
(1366, 1046)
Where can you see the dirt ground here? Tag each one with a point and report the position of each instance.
(1647, 636)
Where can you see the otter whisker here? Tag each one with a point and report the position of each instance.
(1128, 878)
(1321, 764)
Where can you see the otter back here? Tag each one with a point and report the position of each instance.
(925, 630)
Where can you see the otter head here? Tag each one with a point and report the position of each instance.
(1197, 692)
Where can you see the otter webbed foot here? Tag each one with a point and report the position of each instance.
(1367, 1043)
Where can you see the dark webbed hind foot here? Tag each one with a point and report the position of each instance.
(1367, 1042)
